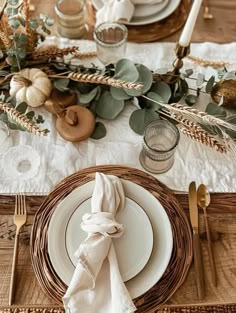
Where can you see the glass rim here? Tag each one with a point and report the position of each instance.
(58, 11)
(103, 43)
(169, 124)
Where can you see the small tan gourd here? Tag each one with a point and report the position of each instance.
(32, 86)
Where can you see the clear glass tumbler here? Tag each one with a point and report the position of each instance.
(71, 18)
(160, 140)
(110, 41)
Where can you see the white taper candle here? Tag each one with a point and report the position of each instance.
(186, 35)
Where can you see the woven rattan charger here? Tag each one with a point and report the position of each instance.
(151, 32)
(182, 242)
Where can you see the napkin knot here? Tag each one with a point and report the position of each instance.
(103, 223)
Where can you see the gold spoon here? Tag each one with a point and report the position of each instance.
(203, 200)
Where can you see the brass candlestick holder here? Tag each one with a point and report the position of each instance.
(172, 77)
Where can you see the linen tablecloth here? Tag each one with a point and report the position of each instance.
(193, 161)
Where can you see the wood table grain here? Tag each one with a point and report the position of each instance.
(220, 29)
(222, 219)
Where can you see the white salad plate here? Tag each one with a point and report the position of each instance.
(168, 9)
(143, 251)
(143, 11)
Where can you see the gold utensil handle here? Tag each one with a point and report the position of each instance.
(198, 266)
(210, 252)
(13, 271)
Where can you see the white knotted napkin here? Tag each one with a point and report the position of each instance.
(97, 286)
(115, 11)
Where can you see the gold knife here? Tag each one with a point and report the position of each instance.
(193, 208)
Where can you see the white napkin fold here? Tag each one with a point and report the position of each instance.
(96, 285)
(115, 11)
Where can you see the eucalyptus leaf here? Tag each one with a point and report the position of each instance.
(210, 84)
(99, 131)
(107, 107)
(30, 115)
(200, 79)
(183, 86)
(22, 107)
(145, 78)
(49, 21)
(39, 119)
(88, 97)
(13, 2)
(191, 99)
(161, 71)
(34, 24)
(231, 119)
(155, 97)
(139, 120)
(14, 23)
(61, 84)
(119, 94)
(215, 110)
(4, 117)
(163, 90)
(126, 70)
(12, 11)
(188, 72)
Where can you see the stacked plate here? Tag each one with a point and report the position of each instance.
(154, 253)
(149, 11)
(143, 251)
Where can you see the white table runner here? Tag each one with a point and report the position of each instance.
(121, 145)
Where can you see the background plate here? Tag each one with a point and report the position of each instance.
(168, 10)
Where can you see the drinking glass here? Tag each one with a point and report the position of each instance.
(110, 41)
(71, 18)
(160, 140)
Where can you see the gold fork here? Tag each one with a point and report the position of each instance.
(20, 217)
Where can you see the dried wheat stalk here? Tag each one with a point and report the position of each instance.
(22, 120)
(197, 133)
(203, 62)
(104, 80)
(198, 116)
(85, 55)
(5, 32)
(31, 35)
(53, 52)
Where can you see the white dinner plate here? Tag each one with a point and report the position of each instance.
(62, 226)
(168, 10)
(138, 233)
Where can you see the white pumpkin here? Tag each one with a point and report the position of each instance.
(32, 86)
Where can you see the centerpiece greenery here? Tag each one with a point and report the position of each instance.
(105, 92)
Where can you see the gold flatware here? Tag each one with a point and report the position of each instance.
(20, 217)
(207, 15)
(193, 209)
(204, 199)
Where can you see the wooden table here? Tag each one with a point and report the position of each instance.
(222, 218)
(220, 29)
(222, 214)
